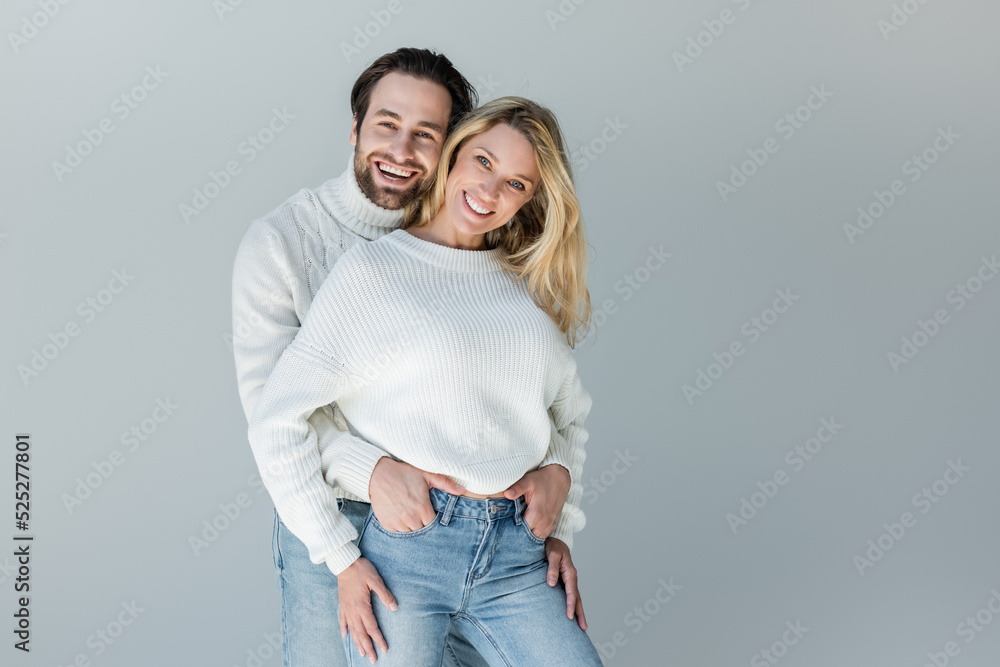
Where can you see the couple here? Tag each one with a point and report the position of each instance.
(444, 342)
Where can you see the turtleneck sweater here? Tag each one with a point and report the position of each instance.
(281, 262)
(437, 356)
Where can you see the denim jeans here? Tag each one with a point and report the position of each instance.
(478, 568)
(310, 625)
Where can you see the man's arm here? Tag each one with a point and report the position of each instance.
(264, 324)
(568, 411)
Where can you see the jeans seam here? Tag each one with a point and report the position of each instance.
(451, 652)
(496, 649)
(286, 659)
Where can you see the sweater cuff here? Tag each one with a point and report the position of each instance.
(559, 452)
(352, 467)
(339, 560)
(571, 521)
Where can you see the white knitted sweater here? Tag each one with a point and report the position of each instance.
(438, 357)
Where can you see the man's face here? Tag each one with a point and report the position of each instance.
(399, 141)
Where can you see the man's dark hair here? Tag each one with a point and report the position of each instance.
(420, 64)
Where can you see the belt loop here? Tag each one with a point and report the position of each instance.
(519, 506)
(448, 509)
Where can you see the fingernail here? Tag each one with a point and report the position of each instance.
(371, 659)
(394, 606)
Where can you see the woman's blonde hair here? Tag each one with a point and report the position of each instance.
(544, 244)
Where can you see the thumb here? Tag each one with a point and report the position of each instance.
(514, 490)
(445, 483)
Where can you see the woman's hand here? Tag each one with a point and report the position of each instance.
(545, 491)
(354, 593)
(561, 563)
(400, 494)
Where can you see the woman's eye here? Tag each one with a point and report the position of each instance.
(517, 184)
(483, 160)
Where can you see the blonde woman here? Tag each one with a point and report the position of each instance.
(447, 344)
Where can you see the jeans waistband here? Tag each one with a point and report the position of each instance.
(490, 509)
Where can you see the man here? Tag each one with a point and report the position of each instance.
(403, 105)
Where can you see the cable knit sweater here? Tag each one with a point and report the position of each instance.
(437, 356)
(281, 263)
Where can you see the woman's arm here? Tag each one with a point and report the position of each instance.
(285, 446)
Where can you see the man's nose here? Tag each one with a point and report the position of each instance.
(402, 147)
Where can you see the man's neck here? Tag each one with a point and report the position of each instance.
(360, 214)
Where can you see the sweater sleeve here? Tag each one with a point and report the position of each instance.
(264, 325)
(264, 316)
(568, 411)
(286, 449)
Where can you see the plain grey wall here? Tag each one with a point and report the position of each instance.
(661, 103)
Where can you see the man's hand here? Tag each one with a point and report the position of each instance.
(354, 593)
(560, 562)
(400, 494)
(545, 492)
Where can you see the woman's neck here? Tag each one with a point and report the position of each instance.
(440, 230)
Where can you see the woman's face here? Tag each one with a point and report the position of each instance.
(495, 173)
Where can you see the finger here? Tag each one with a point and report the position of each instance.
(343, 624)
(572, 590)
(581, 618)
(371, 626)
(445, 483)
(554, 561)
(427, 514)
(356, 636)
(382, 591)
(366, 649)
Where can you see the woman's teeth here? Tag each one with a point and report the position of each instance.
(478, 209)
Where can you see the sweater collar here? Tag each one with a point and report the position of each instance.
(446, 257)
(353, 209)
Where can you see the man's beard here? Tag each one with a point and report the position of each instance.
(385, 197)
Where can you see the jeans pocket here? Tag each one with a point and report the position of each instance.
(404, 533)
(531, 536)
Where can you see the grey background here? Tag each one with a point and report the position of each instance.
(663, 517)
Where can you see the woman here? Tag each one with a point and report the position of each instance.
(447, 344)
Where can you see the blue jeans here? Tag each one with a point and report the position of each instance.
(310, 625)
(478, 568)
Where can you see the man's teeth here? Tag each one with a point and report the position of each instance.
(386, 169)
(478, 209)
